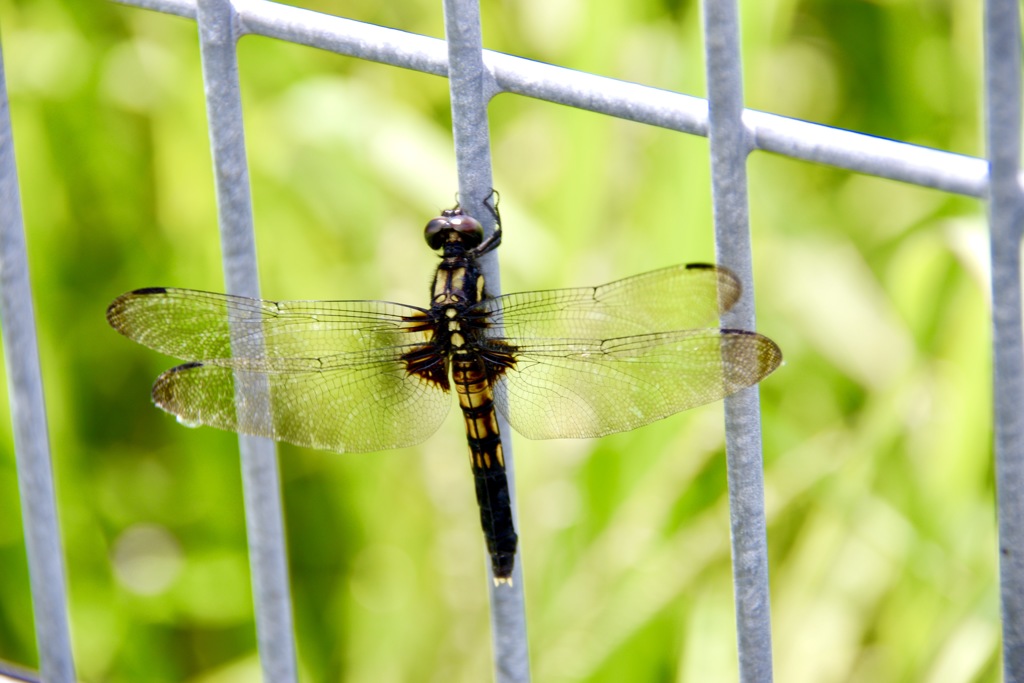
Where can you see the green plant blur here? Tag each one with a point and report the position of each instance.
(877, 430)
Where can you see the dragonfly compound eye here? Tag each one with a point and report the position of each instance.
(436, 231)
(469, 228)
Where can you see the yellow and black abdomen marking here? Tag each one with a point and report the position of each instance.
(476, 399)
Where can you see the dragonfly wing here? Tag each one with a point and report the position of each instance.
(336, 372)
(674, 298)
(197, 326)
(343, 407)
(565, 388)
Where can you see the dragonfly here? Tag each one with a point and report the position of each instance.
(362, 376)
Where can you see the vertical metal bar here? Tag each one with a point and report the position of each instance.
(28, 413)
(1006, 218)
(218, 35)
(729, 149)
(471, 89)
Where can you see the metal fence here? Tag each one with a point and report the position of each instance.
(476, 76)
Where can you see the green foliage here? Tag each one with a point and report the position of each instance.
(877, 429)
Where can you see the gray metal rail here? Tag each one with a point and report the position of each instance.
(1006, 220)
(867, 154)
(261, 482)
(470, 93)
(28, 413)
(730, 147)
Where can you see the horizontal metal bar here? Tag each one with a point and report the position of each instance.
(924, 166)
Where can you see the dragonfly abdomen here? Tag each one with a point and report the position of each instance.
(476, 399)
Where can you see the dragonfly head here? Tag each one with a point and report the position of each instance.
(453, 227)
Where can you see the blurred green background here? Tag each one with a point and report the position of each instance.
(877, 429)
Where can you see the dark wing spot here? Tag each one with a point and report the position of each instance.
(498, 357)
(417, 323)
(186, 366)
(118, 305)
(163, 390)
(428, 362)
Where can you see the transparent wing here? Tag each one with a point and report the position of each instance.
(343, 406)
(195, 326)
(674, 298)
(573, 388)
(334, 370)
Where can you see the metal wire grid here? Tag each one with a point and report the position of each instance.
(476, 76)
